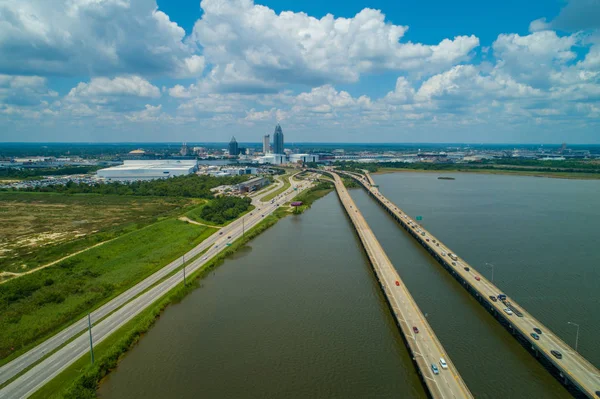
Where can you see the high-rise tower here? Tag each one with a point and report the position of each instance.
(233, 148)
(278, 140)
(266, 143)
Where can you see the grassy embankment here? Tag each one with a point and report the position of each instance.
(195, 215)
(350, 182)
(39, 228)
(286, 185)
(313, 194)
(80, 380)
(37, 305)
(498, 171)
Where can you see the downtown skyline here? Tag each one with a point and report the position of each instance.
(204, 71)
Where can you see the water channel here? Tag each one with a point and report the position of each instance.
(298, 314)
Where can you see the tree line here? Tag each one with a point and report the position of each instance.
(196, 186)
(36, 172)
(224, 209)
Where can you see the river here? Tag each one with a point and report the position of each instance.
(298, 314)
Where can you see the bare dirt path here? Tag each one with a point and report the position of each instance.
(188, 220)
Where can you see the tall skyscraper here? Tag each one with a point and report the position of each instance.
(233, 147)
(266, 143)
(278, 140)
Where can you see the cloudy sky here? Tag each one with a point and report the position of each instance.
(395, 71)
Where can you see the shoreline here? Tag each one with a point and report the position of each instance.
(81, 379)
(549, 175)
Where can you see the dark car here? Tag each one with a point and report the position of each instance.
(535, 336)
(492, 298)
(537, 330)
(228, 237)
(467, 269)
(556, 354)
(415, 330)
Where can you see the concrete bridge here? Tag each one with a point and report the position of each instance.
(579, 376)
(425, 348)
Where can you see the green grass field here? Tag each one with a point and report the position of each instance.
(38, 228)
(286, 185)
(81, 379)
(34, 306)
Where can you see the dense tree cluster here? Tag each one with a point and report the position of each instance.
(181, 186)
(223, 209)
(35, 172)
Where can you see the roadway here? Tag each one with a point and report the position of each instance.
(572, 365)
(426, 349)
(109, 317)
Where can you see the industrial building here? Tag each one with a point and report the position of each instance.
(149, 169)
(252, 184)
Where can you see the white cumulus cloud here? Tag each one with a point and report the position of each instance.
(254, 48)
(100, 37)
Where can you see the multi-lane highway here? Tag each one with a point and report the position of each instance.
(437, 370)
(573, 367)
(123, 308)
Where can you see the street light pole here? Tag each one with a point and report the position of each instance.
(184, 269)
(489, 264)
(577, 334)
(243, 227)
(91, 343)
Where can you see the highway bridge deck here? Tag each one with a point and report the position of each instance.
(425, 348)
(571, 369)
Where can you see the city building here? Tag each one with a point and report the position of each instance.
(295, 158)
(266, 143)
(231, 171)
(278, 140)
(132, 170)
(273, 159)
(184, 150)
(233, 147)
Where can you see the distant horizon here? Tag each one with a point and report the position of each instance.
(179, 143)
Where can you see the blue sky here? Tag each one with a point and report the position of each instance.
(351, 71)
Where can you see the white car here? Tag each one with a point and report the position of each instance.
(443, 363)
(508, 311)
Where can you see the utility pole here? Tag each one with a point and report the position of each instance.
(576, 336)
(91, 343)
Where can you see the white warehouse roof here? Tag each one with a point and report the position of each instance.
(149, 169)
